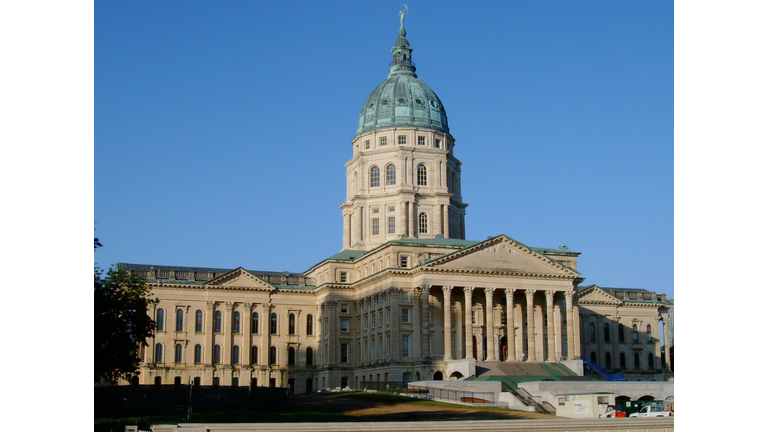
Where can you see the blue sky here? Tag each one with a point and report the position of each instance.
(221, 129)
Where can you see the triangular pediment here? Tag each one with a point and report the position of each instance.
(505, 255)
(596, 295)
(241, 279)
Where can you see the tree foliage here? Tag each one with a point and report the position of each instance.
(121, 324)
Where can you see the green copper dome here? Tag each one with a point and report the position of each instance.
(402, 100)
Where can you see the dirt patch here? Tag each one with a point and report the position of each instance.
(367, 407)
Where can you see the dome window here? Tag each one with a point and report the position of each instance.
(419, 102)
(385, 102)
(401, 100)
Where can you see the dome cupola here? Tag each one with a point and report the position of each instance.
(402, 100)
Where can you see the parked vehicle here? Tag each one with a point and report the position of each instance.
(652, 410)
(614, 411)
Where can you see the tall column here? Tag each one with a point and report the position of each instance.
(330, 306)
(395, 314)
(347, 230)
(208, 349)
(512, 353)
(550, 295)
(417, 320)
(265, 324)
(490, 340)
(227, 348)
(361, 330)
(425, 321)
(530, 327)
(445, 221)
(409, 215)
(403, 218)
(615, 342)
(447, 323)
(569, 330)
(576, 331)
(667, 344)
(246, 321)
(468, 322)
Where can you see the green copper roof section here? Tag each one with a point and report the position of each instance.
(402, 100)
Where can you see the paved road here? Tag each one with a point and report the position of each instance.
(553, 425)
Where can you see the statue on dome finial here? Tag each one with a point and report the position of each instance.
(402, 13)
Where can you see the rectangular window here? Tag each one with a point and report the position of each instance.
(375, 226)
(344, 308)
(406, 342)
(375, 210)
(367, 144)
(382, 141)
(405, 297)
(401, 140)
(391, 225)
(405, 315)
(404, 261)
(343, 277)
(422, 140)
(437, 143)
(345, 325)
(344, 352)
(373, 320)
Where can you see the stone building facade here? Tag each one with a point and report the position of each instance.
(407, 298)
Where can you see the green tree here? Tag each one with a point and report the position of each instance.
(121, 323)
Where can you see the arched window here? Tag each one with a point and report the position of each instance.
(606, 332)
(650, 361)
(310, 356)
(254, 355)
(198, 354)
(310, 323)
(159, 353)
(291, 324)
(179, 320)
(422, 223)
(391, 175)
(621, 333)
(255, 322)
(593, 357)
(160, 320)
(607, 360)
(272, 355)
(199, 321)
(236, 354)
(291, 356)
(406, 378)
(177, 353)
(236, 323)
(217, 322)
(622, 361)
(649, 334)
(273, 324)
(592, 336)
(637, 361)
(421, 172)
(635, 336)
(375, 177)
(217, 354)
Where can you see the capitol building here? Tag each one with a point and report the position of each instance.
(408, 297)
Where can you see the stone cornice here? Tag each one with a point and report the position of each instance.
(496, 273)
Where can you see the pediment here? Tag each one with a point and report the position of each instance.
(504, 255)
(596, 295)
(241, 279)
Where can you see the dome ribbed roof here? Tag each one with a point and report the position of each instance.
(402, 100)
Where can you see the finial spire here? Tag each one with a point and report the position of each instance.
(402, 14)
(401, 52)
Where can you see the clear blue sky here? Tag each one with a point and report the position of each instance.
(221, 129)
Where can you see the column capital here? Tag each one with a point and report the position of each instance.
(210, 305)
(229, 306)
(447, 290)
(550, 295)
(568, 295)
(468, 290)
(509, 291)
(489, 291)
(266, 307)
(529, 292)
(247, 306)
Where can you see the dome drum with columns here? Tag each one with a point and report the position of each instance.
(403, 180)
(407, 297)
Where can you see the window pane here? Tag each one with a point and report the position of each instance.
(160, 320)
(375, 180)
(199, 321)
(391, 174)
(217, 327)
(179, 320)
